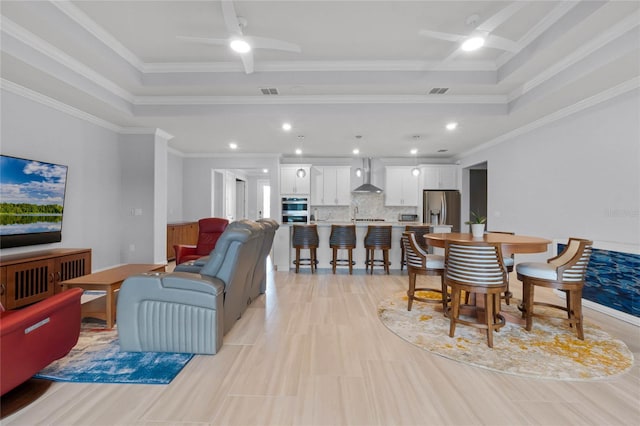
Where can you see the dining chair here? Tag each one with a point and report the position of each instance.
(509, 263)
(419, 231)
(419, 262)
(565, 272)
(476, 268)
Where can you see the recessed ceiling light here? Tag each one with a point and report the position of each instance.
(356, 151)
(240, 46)
(451, 126)
(233, 145)
(414, 151)
(298, 151)
(473, 43)
(415, 171)
(286, 126)
(265, 170)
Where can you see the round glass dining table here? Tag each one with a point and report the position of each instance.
(509, 243)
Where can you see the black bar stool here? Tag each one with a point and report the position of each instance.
(378, 238)
(419, 230)
(305, 237)
(342, 237)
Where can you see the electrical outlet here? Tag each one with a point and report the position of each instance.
(132, 247)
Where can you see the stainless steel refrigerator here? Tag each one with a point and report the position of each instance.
(441, 208)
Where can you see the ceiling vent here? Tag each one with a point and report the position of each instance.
(438, 90)
(269, 91)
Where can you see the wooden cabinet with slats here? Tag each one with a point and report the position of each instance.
(29, 277)
(180, 233)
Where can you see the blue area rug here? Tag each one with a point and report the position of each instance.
(97, 358)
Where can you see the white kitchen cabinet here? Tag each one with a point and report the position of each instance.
(291, 183)
(440, 176)
(331, 186)
(401, 186)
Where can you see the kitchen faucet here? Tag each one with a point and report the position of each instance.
(355, 211)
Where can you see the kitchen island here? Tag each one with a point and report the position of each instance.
(283, 254)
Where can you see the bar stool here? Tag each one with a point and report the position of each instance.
(378, 238)
(306, 237)
(343, 237)
(419, 231)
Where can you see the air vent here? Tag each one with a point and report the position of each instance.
(438, 90)
(269, 91)
(443, 150)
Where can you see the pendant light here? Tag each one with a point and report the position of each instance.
(300, 172)
(415, 171)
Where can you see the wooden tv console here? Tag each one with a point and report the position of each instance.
(26, 278)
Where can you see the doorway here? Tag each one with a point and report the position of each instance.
(478, 190)
(264, 198)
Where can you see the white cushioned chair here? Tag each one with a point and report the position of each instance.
(419, 262)
(476, 267)
(565, 272)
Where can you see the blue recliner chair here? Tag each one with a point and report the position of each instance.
(187, 312)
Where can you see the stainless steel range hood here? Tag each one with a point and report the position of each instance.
(367, 187)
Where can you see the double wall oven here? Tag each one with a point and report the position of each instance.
(295, 210)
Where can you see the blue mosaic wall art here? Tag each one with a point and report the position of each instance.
(613, 280)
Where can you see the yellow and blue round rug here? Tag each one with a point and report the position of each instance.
(550, 351)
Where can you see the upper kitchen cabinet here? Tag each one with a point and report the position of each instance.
(441, 176)
(401, 186)
(294, 183)
(331, 186)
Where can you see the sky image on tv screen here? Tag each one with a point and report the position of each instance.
(31, 196)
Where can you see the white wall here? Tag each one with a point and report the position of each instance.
(175, 174)
(92, 211)
(579, 176)
(197, 181)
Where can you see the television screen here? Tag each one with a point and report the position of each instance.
(31, 201)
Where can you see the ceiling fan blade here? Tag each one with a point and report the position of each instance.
(247, 62)
(271, 43)
(231, 18)
(502, 43)
(204, 40)
(442, 36)
(500, 17)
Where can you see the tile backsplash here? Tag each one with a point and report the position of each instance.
(370, 206)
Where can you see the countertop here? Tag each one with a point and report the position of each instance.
(327, 223)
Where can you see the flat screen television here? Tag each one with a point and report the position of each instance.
(31, 201)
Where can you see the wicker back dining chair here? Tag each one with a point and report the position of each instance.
(476, 268)
(419, 262)
(565, 272)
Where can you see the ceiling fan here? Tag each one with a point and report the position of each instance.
(481, 35)
(240, 43)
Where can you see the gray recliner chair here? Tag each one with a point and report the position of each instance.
(270, 227)
(186, 312)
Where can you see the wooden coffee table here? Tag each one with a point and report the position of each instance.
(110, 281)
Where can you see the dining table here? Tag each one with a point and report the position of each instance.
(509, 244)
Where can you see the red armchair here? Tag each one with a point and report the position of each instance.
(209, 230)
(35, 336)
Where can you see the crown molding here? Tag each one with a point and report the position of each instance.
(539, 28)
(613, 92)
(319, 66)
(92, 27)
(229, 155)
(14, 30)
(57, 105)
(146, 131)
(34, 96)
(317, 100)
(627, 24)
